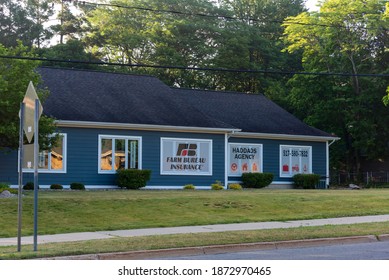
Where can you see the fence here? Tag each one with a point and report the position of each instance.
(367, 178)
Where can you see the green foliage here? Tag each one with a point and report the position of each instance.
(29, 186)
(189, 187)
(133, 178)
(234, 187)
(56, 187)
(15, 76)
(349, 106)
(4, 185)
(257, 180)
(217, 186)
(77, 186)
(306, 181)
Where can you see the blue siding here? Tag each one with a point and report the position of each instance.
(82, 158)
(271, 155)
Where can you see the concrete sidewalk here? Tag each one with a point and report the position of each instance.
(82, 236)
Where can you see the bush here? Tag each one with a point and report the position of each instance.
(306, 181)
(217, 186)
(234, 186)
(257, 180)
(4, 185)
(133, 178)
(77, 186)
(56, 187)
(189, 187)
(7, 187)
(29, 186)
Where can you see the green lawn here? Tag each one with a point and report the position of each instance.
(75, 211)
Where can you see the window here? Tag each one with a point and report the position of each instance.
(295, 160)
(53, 160)
(180, 156)
(119, 152)
(244, 158)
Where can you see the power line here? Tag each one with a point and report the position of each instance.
(226, 17)
(258, 71)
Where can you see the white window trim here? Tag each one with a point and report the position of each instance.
(210, 173)
(295, 147)
(244, 144)
(118, 137)
(64, 163)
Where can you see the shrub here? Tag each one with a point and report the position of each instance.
(4, 185)
(77, 186)
(56, 187)
(217, 186)
(257, 180)
(189, 187)
(234, 186)
(29, 186)
(7, 187)
(133, 178)
(306, 181)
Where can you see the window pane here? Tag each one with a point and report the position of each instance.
(120, 154)
(106, 154)
(43, 160)
(132, 154)
(57, 155)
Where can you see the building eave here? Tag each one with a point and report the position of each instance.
(147, 127)
(284, 136)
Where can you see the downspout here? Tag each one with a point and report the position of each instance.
(328, 161)
(226, 137)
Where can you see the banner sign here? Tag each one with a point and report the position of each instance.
(295, 160)
(186, 156)
(244, 158)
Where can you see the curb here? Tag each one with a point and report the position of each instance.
(219, 249)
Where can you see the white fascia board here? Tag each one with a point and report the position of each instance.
(284, 136)
(106, 125)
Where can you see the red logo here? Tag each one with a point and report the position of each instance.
(234, 167)
(185, 150)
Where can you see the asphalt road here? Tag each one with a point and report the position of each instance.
(360, 251)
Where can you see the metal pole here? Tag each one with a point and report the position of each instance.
(20, 176)
(36, 154)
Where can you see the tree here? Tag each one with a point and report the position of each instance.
(39, 12)
(241, 34)
(345, 37)
(70, 25)
(14, 24)
(14, 78)
(25, 21)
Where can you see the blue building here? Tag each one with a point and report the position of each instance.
(109, 121)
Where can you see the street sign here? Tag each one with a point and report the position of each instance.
(29, 101)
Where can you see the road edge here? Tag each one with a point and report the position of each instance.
(220, 249)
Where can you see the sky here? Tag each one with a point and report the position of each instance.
(311, 5)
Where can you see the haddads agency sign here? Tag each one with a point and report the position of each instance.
(186, 156)
(244, 158)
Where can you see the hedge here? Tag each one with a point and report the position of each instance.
(306, 181)
(133, 178)
(257, 180)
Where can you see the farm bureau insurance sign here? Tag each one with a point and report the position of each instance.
(186, 156)
(244, 158)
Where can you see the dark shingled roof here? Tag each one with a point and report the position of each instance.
(80, 95)
(250, 112)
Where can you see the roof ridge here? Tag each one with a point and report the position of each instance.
(220, 91)
(97, 71)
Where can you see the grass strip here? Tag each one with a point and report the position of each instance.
(191, 240)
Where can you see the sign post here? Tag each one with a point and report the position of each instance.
(20, 176)
(36, 155)
(30, 112)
